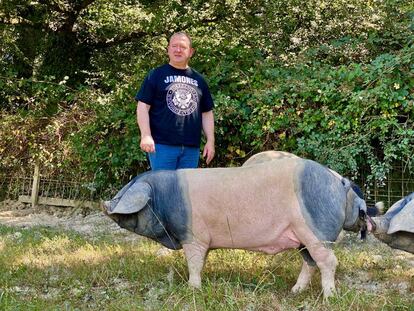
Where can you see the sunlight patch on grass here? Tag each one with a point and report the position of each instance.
(409, 273)
(63, 251)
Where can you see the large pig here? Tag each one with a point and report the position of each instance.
(270, 207)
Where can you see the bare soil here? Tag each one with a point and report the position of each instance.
(82, 220)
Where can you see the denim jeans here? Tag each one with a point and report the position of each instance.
(168, 157)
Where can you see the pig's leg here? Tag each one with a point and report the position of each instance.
(327, 262)
(304, 278)
(324, 258)
(195, 255)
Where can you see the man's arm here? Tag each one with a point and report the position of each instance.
(147, 142)
(208, 129)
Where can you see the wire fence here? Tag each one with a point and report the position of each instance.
(11, 187)
(14, 186)
(399, 183)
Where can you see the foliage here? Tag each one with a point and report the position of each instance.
(109, 144)
(328, 80)
(40, 130)
(360, 111)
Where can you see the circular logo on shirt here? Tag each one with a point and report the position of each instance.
(182, 99)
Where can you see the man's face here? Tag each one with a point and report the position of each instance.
(179, 51)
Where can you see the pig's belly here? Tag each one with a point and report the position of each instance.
(271, 245)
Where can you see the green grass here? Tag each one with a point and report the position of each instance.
(46, 269)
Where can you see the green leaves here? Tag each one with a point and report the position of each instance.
(348, 117)
(328, 80)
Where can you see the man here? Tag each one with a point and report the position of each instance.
(174, 106)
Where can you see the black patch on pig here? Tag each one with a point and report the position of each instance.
(323, 199)
(166, 217)
(306, 256)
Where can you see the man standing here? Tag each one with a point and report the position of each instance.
(174, 106)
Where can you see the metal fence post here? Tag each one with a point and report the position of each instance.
(35, 186)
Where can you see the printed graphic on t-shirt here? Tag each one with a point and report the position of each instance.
(182, 98)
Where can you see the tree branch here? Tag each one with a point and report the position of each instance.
(138, 35)
(122, 39)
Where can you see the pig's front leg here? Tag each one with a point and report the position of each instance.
(195, 255)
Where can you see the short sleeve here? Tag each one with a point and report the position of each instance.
(147, 90)
(207, 103)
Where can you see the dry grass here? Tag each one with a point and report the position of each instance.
(46, 269)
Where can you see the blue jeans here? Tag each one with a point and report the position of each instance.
(168, 157)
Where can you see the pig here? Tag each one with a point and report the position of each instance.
(291, 203)
(396, 226)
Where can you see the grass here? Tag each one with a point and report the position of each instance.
(45, 269)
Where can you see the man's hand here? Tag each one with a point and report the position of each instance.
(208, 128)
(209, 152)
(147, 143)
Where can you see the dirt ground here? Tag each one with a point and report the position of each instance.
(92, 222)
(82, 220)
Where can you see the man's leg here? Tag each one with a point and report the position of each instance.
(189, 157)
(165, 157)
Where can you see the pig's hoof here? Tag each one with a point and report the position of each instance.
(298, 288)
(194, 284)
(327, 293)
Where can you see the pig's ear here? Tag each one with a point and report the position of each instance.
(132, 200)
(404, 217)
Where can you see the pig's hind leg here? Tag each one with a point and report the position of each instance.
(325, 260)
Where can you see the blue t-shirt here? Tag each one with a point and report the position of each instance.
(177, 97)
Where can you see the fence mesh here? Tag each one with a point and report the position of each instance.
(399, 183)
(13, 186)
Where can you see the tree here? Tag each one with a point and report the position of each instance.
(59, 38)
(284, 74)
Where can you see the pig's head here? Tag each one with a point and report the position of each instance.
(356, 209)
(144, 206)
(396, 226)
